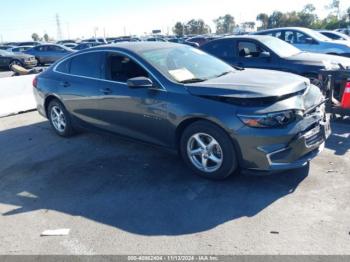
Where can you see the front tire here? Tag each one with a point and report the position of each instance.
(60, 119)
(15, 62)
(208, 150)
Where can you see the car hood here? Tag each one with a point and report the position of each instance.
(319, 59)
(250, 83)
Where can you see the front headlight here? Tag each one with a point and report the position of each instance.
(277, 119)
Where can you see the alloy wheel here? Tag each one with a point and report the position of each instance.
(58, 119)
(204, 152)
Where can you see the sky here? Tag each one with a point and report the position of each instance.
(81, 18)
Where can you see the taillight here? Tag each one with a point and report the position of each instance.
(345, 102)
(35, 82)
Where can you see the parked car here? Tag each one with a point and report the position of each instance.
(49, 53)
(267, 52)
(70, 45)
(7, 59)
(30, 43)
(12, 43)
(19, 49)
(63, 42)
(172, 95)
(155, 39)
(343, 30)
(82, 46)
(334, 35)
(100, 40)
(201, 40)
(6, 47)
(309, 40)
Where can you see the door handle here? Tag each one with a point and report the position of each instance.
(106, 91)
(65, 84)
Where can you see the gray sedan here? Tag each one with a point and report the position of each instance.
(49, 53)
(220, 119)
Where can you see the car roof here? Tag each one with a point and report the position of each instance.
(255, 37)
(138, 47)
(304, 29)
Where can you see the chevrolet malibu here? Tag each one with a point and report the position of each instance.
(219, 119)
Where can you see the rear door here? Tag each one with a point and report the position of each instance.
(79, 80)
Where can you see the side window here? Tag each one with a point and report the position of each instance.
(278, 34)
(41, 48)
(64, 67)
(121, 68)
(54, 48)
(221, 49)
(248, 49)
(88, 64)
(301, 38)
(289, 37)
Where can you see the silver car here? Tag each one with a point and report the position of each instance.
(309, 40)
(49, 53)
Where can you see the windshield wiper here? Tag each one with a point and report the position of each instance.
(193, 80)
(222, 74)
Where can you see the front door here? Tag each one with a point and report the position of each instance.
(137, 112)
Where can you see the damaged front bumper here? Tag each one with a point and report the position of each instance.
(287, 148)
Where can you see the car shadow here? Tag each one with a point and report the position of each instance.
(339, 141)
(130, 186)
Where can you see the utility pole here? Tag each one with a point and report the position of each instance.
(95, 31)
(68, 31)
(59, 30)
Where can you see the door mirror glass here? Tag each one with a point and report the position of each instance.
(309, 40)
(265, 54)
(139, 82)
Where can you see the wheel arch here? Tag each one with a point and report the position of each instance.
(47, 101)
(188, 121)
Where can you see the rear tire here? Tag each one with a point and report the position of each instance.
(208, 150)
(60, 119)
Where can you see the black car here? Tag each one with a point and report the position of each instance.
(201, 40)
(267, 52)
(83, 46)
(7, 59)
(29, 43)
(172, 95)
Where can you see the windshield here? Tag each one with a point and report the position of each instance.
(316, 35)
(281, 48)
(186, 64)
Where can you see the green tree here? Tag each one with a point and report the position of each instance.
(197, 27)
(225, 24)
(46, 37)
(276, 19)
(264, 19)
(307, 16)
(178, 29)
(35, 37)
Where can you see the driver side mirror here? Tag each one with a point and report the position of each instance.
(309, 41)
(139, 82)
(265, 54)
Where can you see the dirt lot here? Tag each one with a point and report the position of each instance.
(119, 197)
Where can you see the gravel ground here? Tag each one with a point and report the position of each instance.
(120, 197)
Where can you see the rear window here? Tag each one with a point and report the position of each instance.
(88, 64)
(64, 67)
